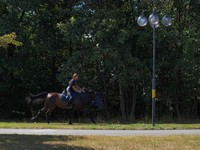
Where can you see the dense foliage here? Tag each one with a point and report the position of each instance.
(101, 41)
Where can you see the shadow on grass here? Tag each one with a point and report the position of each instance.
(22, 142)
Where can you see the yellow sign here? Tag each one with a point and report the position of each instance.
(153, 93)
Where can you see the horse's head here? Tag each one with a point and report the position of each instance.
(98, 105)
(93, 96)
(94, 99)
(98, 102)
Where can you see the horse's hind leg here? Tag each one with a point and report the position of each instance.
(48, 114)
(38, 114)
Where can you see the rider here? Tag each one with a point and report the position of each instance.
(73, 89)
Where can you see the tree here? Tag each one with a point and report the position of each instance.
(7, 39)
(101, 41)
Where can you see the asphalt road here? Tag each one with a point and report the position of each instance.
(99, 132)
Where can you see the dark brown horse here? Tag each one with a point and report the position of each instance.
(53, 100)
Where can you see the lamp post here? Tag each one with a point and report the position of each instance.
(154, 23)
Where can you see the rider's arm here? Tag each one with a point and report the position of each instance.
(76, 88)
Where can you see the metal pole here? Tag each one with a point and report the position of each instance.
(154, 79)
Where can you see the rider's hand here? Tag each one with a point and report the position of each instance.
(79, 91)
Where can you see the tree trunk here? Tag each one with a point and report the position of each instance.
(132, 113)
(177, 92)
(105, 94)
(196, 108)
(122, 102)
(127, 104)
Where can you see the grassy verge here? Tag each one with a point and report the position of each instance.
(99, 142)
(101, 126)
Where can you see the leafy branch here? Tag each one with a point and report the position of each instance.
(7, 39)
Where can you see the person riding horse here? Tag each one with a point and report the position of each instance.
(73, 89)
(80, 100)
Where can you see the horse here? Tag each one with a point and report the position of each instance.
(89, 99)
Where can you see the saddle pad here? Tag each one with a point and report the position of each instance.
(65, 98)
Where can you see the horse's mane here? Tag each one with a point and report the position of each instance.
(40, 95)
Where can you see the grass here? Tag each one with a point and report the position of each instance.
(179, 142)
(101, 126)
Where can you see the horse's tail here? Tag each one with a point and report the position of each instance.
(41, 96)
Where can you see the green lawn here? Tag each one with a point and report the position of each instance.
(107, 126)
(179, 142)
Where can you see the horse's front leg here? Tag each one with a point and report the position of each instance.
(71, 116)
(38, 114)
(90, 115)
(92, 119)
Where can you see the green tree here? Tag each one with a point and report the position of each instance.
(7, 39)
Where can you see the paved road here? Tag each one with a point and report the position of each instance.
(99, 132)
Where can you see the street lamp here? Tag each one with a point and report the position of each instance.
(154, 23)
